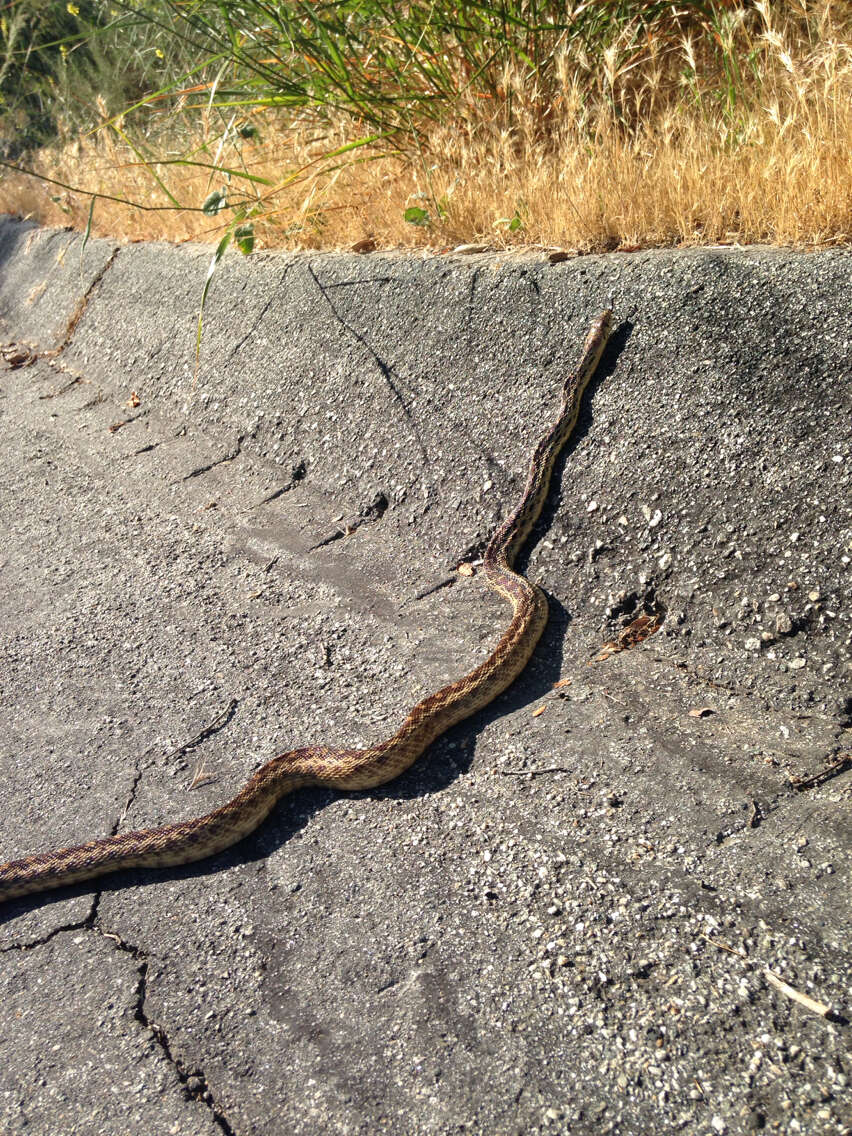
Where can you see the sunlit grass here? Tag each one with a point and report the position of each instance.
(723, 123)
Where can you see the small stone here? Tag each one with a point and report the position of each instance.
(783, 623)
(797, 664)
(718, 1124)
(592, 505)
(752, 644)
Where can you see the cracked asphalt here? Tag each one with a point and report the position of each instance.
(599, 906)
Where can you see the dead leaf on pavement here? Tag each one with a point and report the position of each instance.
(636, 632)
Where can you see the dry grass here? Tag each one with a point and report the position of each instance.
(662, 147)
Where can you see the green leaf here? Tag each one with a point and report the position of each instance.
(215, 203)
(88, 231)
(244, 238)
(414, 215)
(217, 256)
(515, 224)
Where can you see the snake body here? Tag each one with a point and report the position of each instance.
(190, 840)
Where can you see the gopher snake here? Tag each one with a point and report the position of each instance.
(191, 840)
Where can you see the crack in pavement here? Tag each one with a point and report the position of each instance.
(80, 925)
(444, 582)
(385, 369)
(64, 389)
(228, 457)
(51, 355)
(88, 922)
(192, 1081)
(297, 474)
(131, 797)
(82, 304)
(259, 317)
(372, 512)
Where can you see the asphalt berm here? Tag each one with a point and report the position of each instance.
(616, 901)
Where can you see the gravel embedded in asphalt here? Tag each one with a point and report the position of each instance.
(573, 913)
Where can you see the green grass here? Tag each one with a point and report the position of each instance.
(394, 69)
(64, 65)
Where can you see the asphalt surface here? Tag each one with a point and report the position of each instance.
(573, 913)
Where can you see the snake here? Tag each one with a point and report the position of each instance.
(352, 769)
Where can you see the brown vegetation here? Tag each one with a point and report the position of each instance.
(662, 147)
